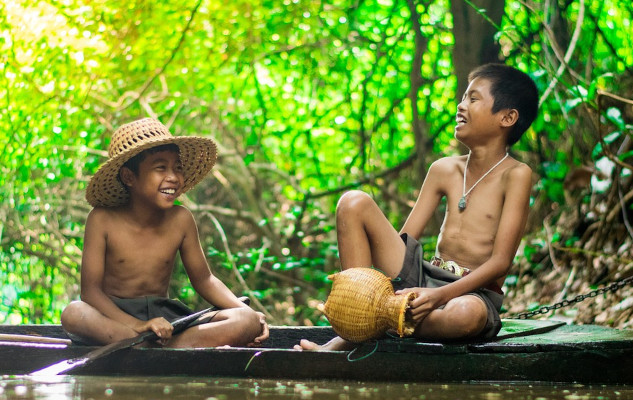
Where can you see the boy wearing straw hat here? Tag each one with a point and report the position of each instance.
(458, 292)
(131, 240)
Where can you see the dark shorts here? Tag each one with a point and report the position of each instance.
(146, 308)
(416, 272)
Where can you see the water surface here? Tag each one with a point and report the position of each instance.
(194, 388)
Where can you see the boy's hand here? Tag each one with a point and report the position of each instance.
(427, 300)
(264, 335)
(160, 326)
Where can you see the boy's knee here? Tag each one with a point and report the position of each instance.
(246, 323)
(251, 320)
(469, 316)
(352, 201)
(71, 315)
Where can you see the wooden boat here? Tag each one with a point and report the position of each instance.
(545, 351)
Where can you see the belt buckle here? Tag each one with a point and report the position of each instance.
(437, 262)
(453, 267)
(450, 266)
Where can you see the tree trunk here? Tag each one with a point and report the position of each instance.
(474, 37)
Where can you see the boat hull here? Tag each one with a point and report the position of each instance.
(573, 354)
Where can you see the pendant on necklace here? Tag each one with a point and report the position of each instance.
(462, 203)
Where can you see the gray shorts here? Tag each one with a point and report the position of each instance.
(416, 272)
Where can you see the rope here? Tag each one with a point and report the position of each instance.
(349, 355)
(248, 364)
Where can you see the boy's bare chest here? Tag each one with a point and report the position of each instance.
(147, 249)
(484, 200)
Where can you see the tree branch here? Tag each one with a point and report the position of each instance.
(137, 95)
(570, 51)
(237, 273)
(394, 170)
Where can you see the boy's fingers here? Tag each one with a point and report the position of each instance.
(418, 314)
(417, 302)
(161, 327)
(265, 331)
(264, 334)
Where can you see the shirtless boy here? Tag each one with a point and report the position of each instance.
(131, 239)
(487, 199)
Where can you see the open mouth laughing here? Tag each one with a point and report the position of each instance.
(168, 191)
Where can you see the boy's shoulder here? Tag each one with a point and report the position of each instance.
(451, 160)
(448, 164)
(180, 211)
(101, 213)
(518, 168)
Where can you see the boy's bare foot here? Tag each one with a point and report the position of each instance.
(338, 343)
(307, 345)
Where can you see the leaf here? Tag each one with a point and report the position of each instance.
(571, 104)
(612, 137)
(580, 91)
(624, 156)
(615, 116)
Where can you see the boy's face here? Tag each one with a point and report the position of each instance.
(160, 179)
(474, 112)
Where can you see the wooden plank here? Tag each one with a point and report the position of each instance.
(8, 337)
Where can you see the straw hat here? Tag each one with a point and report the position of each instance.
(197, 155)
(363, 306)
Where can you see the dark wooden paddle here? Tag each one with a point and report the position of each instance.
(70, 364)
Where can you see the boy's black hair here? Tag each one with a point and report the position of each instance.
(510, 88)
(133, 163)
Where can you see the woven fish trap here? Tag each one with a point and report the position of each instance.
(363, 306)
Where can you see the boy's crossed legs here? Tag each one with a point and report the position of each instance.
(366, 238)
(233, 327)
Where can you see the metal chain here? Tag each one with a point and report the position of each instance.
(613, 287)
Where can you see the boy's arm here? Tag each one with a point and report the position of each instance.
(203, 281)
(92, 273)
(427, 201)
(508, 236)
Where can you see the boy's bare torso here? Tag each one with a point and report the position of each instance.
(468, 237)
(139, 259)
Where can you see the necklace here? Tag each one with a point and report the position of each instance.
(462, 202)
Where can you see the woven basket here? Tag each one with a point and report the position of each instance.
(362, 306)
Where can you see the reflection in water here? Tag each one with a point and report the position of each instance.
(192, 388)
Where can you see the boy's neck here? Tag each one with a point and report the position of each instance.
(481, 159)
(142, 215)
(485, 156)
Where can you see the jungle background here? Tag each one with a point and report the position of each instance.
(308, 99)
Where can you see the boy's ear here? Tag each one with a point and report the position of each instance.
(127, 176)
(509, 117)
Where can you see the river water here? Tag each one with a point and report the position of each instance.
(203, 388)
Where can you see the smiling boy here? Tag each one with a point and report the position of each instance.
(487, 195)
(131, 240)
